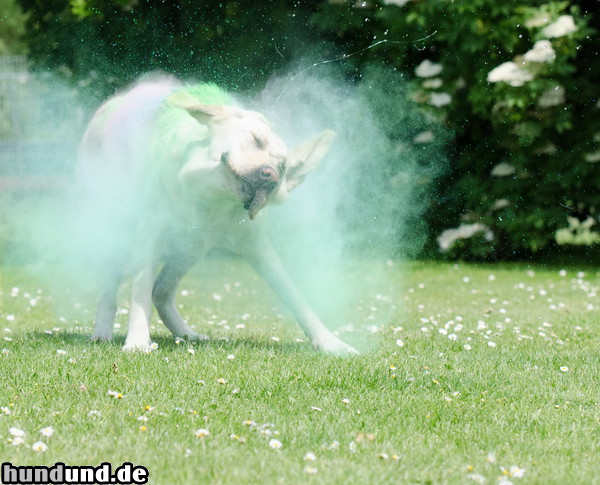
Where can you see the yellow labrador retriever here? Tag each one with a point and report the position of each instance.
(174, 171)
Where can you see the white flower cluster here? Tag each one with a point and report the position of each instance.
(579, 233)
(397, 3)
(503, 169)
(516, 74)
(564, 25)
(428, 70)
(465, 231)
(509, 72)
(542, 51)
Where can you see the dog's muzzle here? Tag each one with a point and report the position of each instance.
(262, 184)
(256, 187)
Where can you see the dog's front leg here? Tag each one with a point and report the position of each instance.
(176, 266)
(267, 263)
(140, 309)
(107, 309)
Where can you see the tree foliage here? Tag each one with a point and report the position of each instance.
(12, 28)
(235, 43)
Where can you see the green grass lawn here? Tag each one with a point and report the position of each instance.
(469, 374)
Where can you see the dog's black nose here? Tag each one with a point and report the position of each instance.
(268, 174)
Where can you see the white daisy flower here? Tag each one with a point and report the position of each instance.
(39, 446)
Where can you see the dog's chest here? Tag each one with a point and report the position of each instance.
(199, 232)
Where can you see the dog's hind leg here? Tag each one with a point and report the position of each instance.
(267, 264)
(107, 308)
(164, 291)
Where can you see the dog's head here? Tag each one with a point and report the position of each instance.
(255, 162)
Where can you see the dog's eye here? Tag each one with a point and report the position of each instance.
(225, 157)
(261, 143)
(282, 166)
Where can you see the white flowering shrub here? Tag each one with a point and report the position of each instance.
(516, 82)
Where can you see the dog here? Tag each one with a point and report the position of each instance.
(174, 171)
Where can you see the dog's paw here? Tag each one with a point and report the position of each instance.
(195, 337)
(135, 346)
(99, 337)
(330, 344)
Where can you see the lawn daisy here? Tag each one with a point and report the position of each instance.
(310, 457)
(16, 432)
(16, 441)
(222, 381)
(39, 446)
(115, 394)
(334, 445)
(564, 368)
(202, 433)
(49, 431)
(476, 477)
(275, 444)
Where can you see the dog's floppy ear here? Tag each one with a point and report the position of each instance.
(204, 113)
(304, 158)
